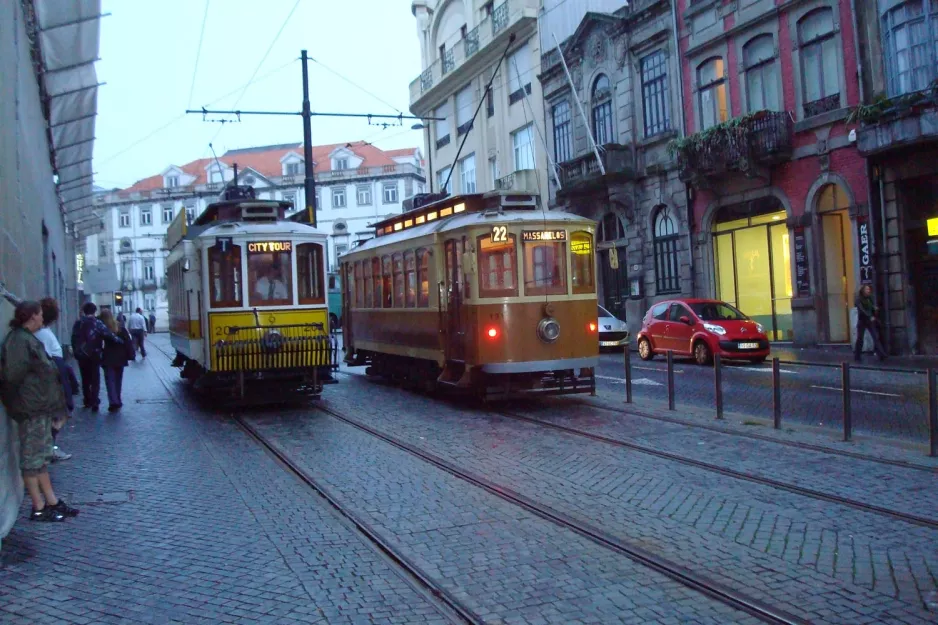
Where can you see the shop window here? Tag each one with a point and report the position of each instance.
(666, 237)
(225, 276)
(386, 279)
(545, 268)
(398, 281)
(497, 266)
(581, 258)
(610, 228)
(711, 93)
(359, 286)
(602, 110)
(369, 283)
(270, 274)
(423, 278)
(309, 271)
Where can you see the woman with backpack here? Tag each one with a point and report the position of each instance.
(88, 338)
(114, 359)
(32, 394)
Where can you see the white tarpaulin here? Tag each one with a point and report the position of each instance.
(69, 34)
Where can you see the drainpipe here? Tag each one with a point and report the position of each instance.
(687, 196)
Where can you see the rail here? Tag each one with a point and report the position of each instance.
(845, 369)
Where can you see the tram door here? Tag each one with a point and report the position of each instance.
(455, 318)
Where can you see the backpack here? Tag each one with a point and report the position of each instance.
(85, 341)
(4, 387)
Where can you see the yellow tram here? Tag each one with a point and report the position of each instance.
(483, 292)
(247, 299)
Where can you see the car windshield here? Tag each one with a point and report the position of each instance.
(602, 312)
(717, 311)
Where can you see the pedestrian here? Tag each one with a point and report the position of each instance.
(138, 330)
(50, 313)
(116, 356)
(152, 323)
(32, 394)
(867, 320)
(88, 338)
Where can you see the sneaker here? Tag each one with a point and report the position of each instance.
(47, 514)
(64, 509)
(58, 454)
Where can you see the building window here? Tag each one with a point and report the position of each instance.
(340, 163)
(463, 111)
(149, 272)
(291, 169)
(819, 61)
(172, 181)
(602, 110)
(493, 170)
(390, 192)
(911, 54)
(467, 174)
(655, 103)
(216, 176)
(124, 218)
(761, 76)
(610, 228)
(363, 193)
(190, 214)
(522, 143)
(103, 250)
(168, 214)
(490, 103)
(146, 216)
(667, 276)
(519, 74)
(441, 127)
(225, 276)
(338, 197)
(441, 179)
(149, 301)
(563, 150)
(291, 198)
(711, 86)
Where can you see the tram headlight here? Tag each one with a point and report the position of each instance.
(272, 341)
(548, 330)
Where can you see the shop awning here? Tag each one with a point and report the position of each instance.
(68, 33)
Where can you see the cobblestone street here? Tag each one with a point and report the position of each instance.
(186, 519)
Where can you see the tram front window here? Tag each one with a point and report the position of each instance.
(270, 276)
(545, 268)
(497, 266)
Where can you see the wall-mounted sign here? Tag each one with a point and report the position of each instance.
(543, 235)
(223, 243)
(80, 269)
(865, 244)
(802, 274)
(270, 246)
(613, 258)
(932, 224)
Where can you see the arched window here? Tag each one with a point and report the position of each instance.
(602, 110)
(911, 58)
(711, 93)
(610, 228)
(761, 74)
(819, 61)
(667, 276)
(224, 265)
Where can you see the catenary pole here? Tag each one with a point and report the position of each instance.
(309, 184)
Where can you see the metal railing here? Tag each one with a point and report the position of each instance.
(275, 348)
(845, 373)
(616, 158)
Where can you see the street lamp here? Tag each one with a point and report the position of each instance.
(422, 126)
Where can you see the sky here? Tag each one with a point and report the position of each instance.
(148, 57)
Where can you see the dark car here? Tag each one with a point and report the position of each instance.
(701, 328)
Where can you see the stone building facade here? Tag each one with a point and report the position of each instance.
(624, 70)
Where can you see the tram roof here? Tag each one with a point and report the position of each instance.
(250, 228)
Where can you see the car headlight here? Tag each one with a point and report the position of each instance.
(760, 328)
(709, 327)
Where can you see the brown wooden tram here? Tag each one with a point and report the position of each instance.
(481, 292)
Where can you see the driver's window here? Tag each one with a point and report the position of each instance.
(677, 311)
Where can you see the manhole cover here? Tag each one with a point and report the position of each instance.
(92, 498)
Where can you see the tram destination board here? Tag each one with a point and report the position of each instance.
(543, 235)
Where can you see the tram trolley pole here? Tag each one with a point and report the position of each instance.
(776, 394)
(628, 374)
(848, 414)
(933, 412)
(718, 383)
(670, 380)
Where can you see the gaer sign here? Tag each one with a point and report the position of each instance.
(866, 250)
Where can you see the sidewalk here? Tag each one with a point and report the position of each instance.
(185, 520)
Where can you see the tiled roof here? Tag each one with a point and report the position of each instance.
(266, 161)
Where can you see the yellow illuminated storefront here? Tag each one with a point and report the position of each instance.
(753, 270)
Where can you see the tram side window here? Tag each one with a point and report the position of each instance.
(498, 263)
(423, 278)
(376, 276)
(545, 268)
(359, 285)
(349, 285)
(270, 274)
(386, 281)
(369, 282)
(398, 280)
(410, 281)
(581, 257)
(225, 276)
(309, 273)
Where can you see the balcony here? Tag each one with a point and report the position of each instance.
(398, 169)
(581, 175)
(521, 181)
(897, 124)
(474, 52)
(740, 145)
(148, 284)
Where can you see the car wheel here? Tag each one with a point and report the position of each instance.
(702, 353)
(645, 352)
(757, 361)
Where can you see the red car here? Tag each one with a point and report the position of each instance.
(701, 328)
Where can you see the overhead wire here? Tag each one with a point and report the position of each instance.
(354, 84)
(198, 53)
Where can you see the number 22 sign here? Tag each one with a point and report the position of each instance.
(499, 234)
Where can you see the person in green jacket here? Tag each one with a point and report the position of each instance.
(867, 320)
(33, 396)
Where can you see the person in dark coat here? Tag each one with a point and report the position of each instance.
(114, 360)
(152, 323)
(867, 313)
(88, 338)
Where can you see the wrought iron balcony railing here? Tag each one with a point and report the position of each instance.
(616, 160)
